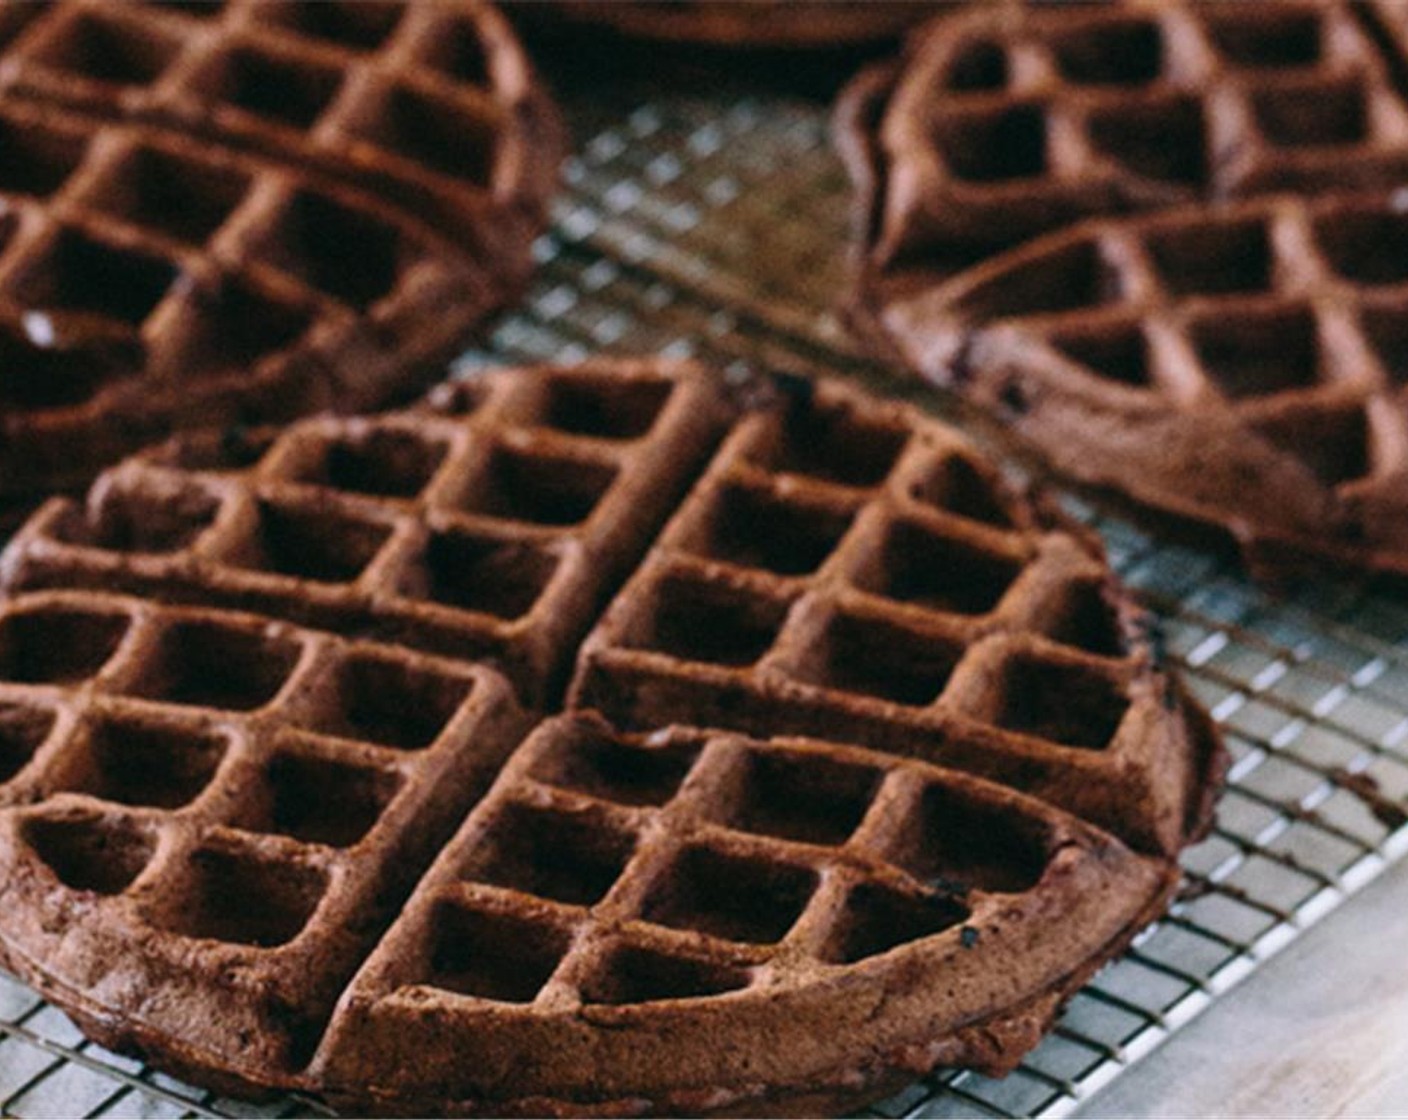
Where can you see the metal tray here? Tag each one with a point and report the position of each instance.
(714, 224)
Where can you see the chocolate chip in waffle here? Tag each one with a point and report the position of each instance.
(893, 766)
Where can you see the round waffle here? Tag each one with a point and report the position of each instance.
(215, 214)
(865, 763)
(1158, 242)
(765, 23)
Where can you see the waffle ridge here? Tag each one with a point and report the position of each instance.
(913, 628)
(171, 800)
(371, 95)
(174, 242)
(925, 839)
(715, 908)
(1178, 285)
(1010, 121)
(478, 527)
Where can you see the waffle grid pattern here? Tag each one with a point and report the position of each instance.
(139, 210)
(1310, 691)
(1026, 120)
(277, 535)
(1285, 314)
(367, 90)
(492, 529)
(1266, 334)
(182, 825)
(172, 242)
(835, 638)
(660, 924)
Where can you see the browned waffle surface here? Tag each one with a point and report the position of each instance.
(208, 817)
(215, 214)
(843, 571)
(1243, 368)
(891, 767)
(491, 524)
(1234, 366)
(634, 915)
(1010, 120)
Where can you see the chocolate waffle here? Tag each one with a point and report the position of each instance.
(741, 927)
(221, 214)
(923, 615)
(219, 815)
(1009, 121)
(488, 526)
(1243, 369)
(891, 769)
(1231, 366)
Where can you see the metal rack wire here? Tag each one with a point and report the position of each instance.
(714, 226)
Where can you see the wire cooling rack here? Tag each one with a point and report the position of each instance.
(714, 226)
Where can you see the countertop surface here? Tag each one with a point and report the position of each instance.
(1320, 1030)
